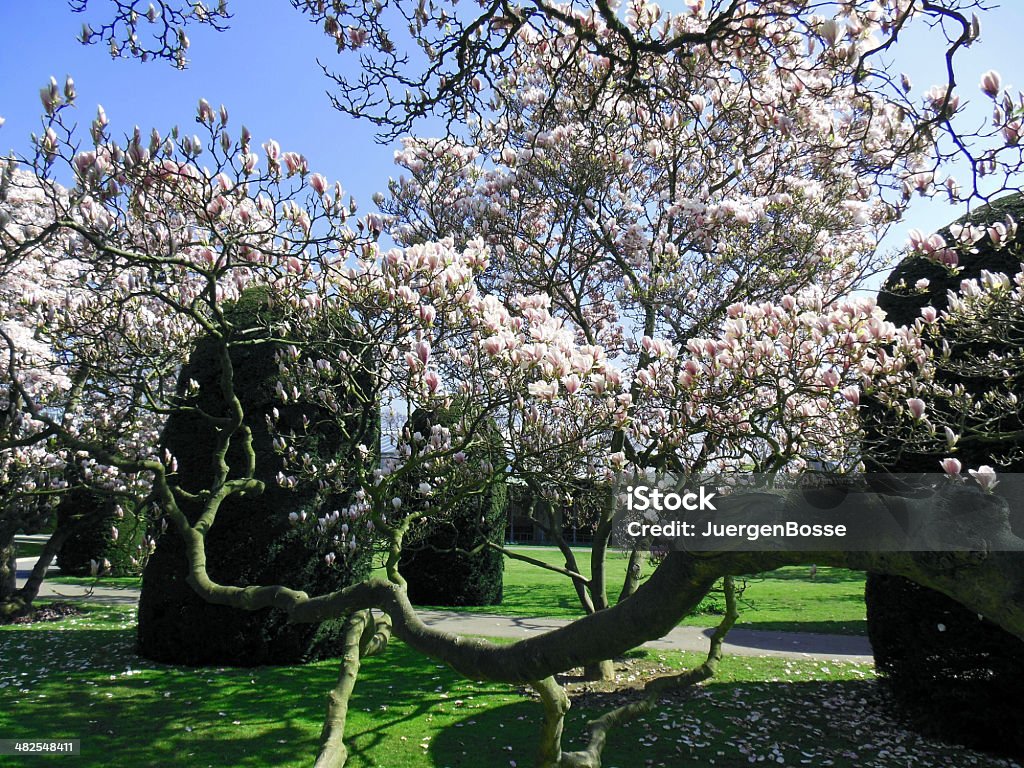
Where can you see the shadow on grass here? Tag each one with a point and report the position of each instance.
(409, 712)
(87, 683)
(846, 724)
(859, 628)
(128, 711)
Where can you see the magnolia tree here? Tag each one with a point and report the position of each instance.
(38, 469)
(579, 268)
(707, 230)
(690, 229)
(166, 232)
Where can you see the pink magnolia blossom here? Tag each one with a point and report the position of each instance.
(916, 406)
(422, 351)
(985, 476)
(951, 466)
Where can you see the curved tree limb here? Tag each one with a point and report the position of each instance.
(990, 583)
(363, 637)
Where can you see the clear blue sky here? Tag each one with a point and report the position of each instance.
(264, 70)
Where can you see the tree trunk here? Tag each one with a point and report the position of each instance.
(603, 670)
(364, 637)
(8, 569)
(18, 602)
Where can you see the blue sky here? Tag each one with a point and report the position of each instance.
(264, 70)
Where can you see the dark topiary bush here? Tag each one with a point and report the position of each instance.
(93, 539)
(953, 674)
(252, 541)
(436, 574)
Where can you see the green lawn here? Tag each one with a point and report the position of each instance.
(30, 550)
(80, 679)
(91, 581)
(787, 599)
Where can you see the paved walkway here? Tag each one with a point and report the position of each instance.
(74, 592)
(741, 642)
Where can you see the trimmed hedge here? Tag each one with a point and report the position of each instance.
(953, 674)
(436, 574)
(252, 541)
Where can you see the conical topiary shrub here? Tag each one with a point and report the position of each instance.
(436, 571)
(252, 541)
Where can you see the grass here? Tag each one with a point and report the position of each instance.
(785, 600)
(30, 549)
(80, 679)
(115, 582)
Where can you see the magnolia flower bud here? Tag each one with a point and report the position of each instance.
(851, 394)
(422, 351)
(916, 406)
(991, 83)
(950, 466)
(829, 32)
(204, 112)
(49, 95)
